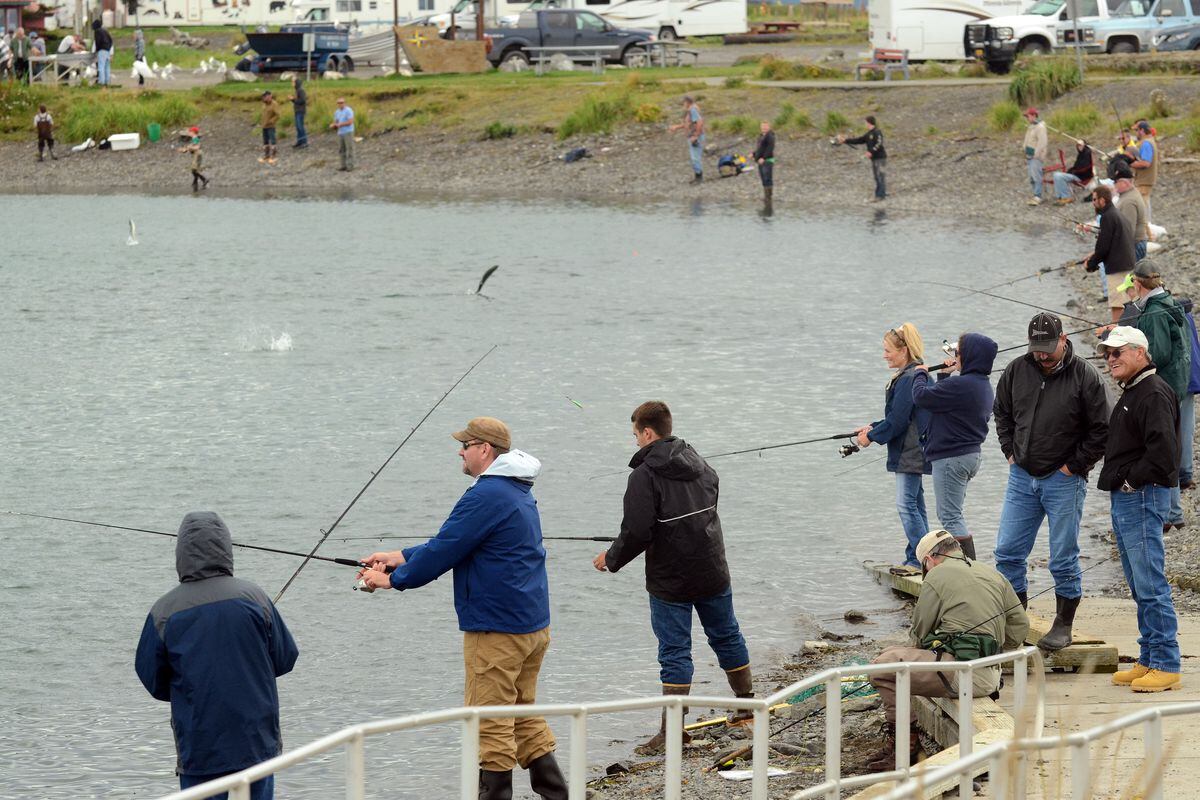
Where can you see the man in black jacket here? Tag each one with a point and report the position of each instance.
(1114, 247)
(1051, 414)
(873, 139)
(764, 156)
(671, 516)
(1141, 463)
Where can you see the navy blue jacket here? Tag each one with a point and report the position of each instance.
(960, 405)
(493, 542)
(213, 647)
(901, 426)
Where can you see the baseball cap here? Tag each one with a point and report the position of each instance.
(929, 541)
(193, 129)
(486, 429)
(1031, 112)
(1122, 170)
(1044, 330)
(1142, 269)
(1123, 335)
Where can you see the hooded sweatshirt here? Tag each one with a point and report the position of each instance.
(959, 405)
(492, 540)
(213, 646)
(671, 516)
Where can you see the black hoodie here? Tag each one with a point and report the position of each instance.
(671, 515)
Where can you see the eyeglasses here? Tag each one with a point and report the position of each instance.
(1114, 353)
(469, 445)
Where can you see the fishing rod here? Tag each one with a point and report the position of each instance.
(1011, 300)
(349, 562)
(1103, 155)
(426, 538)
(375, 474)
(1038, 275)
(836, 436)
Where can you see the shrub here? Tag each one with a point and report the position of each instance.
(1079, 120)
(835, 121)
(1159, 107)
(931, 131)
(786, 112)
(636, 80)
(1043, 80)
(100, 118)
(740, 125)
(1191, 136)
(1004, 115)
(499, 130)
(935, 69)
(735, 82)
(598, 113)
(771, 68)
(648, 113)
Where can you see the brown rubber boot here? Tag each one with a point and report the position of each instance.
(742, 684)
(884, 760)
(658, 742)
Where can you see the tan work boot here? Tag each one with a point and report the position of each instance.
(1128, 676)
(1156, 681)
(657, 743)
(742, 684)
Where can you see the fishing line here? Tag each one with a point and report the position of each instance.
(375, 474)
(753, 450)
(1011, 300)
(427, 538)
(345, 561)
(1103, 155)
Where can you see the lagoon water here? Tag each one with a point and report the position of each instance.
(261, 357)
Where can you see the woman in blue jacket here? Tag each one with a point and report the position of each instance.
(959, 407)
(900, 429)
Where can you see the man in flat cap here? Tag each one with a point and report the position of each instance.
(492, 541)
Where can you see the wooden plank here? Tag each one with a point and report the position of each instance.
(947, 756)
(938, 716)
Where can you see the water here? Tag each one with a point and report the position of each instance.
(261, 358)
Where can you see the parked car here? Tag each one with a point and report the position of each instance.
(1000, 40)
(1131, 27)
(1183, 37)
(565, 28)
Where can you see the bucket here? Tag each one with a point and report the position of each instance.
(153, 131)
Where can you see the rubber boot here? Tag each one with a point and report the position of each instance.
(967, 543)
(495, 785)
(546, 779)
(1024, 598)
(657, 743)
(1064, 617)
(741, 681)
(767, 192)
(52, 156)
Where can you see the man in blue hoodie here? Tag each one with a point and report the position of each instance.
(959, 407)
(493, 542)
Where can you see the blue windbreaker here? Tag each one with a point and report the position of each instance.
(493, 542)
(960, 405)
(213, 647)
(901, 426)
(1193, 386)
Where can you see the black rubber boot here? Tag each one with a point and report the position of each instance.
(741, 681)
(767, 192)
(546, 779)
(967, 543)
(495, 785)
(1024, 598)
(657, 743)
(1060, 632)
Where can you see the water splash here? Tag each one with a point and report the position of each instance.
(266, 340)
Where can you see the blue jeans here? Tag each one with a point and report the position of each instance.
(259, 790)
(950, 479)
(103, 70)
(672, 624)
(1034, 166)
(1187, 428)
(696, 153)
(1139, 250)
(1062, 184)
(1137, 519)
(910, 503)
(879, 170)
(301, 133)
(1028, 500)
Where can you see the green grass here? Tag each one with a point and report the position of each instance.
(738, 125)
(1191, 136)
(1078, 120)
(100, 117)
(182, 57)
(599, 113)
(735, 82)
(835, 122)
(648, 113)
(1044, 80)
(1003, 116)
(790, 115)
(499, 130)
(771, 68)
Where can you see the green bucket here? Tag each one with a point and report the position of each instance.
(154, 131)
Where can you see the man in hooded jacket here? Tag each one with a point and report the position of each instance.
(492, 541)
(671, 516)
(213, 646)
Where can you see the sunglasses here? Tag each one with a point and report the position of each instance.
(469, 445)
(1114, 353)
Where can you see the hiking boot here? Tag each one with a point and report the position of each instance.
(967, 543)
(742, 684)
(546, 779)
(1127, 676)
(262, 160)
(697, 178)
(495, 785)
(884, 759)
(1064, 617)
(1184, 485)
(1034, 201)
(1063, 201)
(1156, 681)
(657, 743)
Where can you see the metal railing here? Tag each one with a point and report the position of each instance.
(352, 738)
(1006, 760)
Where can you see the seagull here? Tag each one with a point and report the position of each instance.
(155, 66)
(201, 69)
(484, 279)
(222, 68)
(132, 240)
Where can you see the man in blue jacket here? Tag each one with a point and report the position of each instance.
(493, 542)
(213, 646)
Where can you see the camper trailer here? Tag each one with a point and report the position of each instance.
(932, 30)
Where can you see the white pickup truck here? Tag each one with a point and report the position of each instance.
(1000, 40)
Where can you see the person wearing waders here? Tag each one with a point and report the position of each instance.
(671, 516)
(193, 147)
(873, 138)
(966, 610)
(764, 156)
(693, 126)
(44, 123)
(959, 407)
(1051, 414)
(213, 647)
(492, 540)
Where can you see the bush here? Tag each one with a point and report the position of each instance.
(740, 125)
(786, 112)
(636, 80)
(771, 68)
(1004, 115)
(735, 82)
(1044, 80)
(499, 130)
(598, 113)
(835, 122)
(648, 113)
(1079, 120)
(100, 118)
(1191, 136)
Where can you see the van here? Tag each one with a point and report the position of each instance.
(1131, 27)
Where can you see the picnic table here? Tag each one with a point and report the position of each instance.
(59, 67)
(582, 53)
(665, 54)
(777, 26)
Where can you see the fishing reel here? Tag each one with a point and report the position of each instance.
(848, 449)
(949, 349)
(361, 586)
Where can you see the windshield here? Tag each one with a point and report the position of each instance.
(1132, 8)
(464, 5)
(1046, 8)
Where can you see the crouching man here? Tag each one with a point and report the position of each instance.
(966, 610)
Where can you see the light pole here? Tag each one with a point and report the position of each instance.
(1078, 44)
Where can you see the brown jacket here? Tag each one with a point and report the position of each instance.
(270, 113)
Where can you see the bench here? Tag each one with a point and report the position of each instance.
(888, 61)
(595, 55)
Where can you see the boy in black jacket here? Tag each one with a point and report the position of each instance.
(764, 156)
(873, 139)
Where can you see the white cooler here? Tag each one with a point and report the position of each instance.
(125, 141)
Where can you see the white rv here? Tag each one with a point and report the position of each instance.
(669, 19)
(932, 30)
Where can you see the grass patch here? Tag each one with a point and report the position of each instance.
(499, 130)
(735, 82)
(183, 57)
(1191, 135)
(790, 115)
(1003, 116)
(1079, 120)
(1044, 80)
(835, 122)
(648, 113)
(771, 68)
(638, 80)
(738, 125)
(599, 113)
(100, 118)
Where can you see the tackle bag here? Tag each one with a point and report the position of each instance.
(731, 164)
(962, 646)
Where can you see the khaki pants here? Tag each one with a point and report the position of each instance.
(1116, 299)
(502, 670)
(926, 684)
(1144, 191)
(346, 150)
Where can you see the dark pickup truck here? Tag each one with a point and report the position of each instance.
(560, 27)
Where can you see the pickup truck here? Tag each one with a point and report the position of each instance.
(1000, 40)
(560, 27)
(1131, 27)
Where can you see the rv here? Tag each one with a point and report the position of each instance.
(355, 14)
(932, 30)
(667, 19)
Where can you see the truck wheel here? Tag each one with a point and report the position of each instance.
(515, 55)
(345, 66)
(634, 57)
(1123, 47)
(1034, 48)
(999, 67)
(667, 34)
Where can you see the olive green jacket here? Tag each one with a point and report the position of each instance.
(958, 597)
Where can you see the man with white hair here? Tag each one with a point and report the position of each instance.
(966, 610)
(1141, 464)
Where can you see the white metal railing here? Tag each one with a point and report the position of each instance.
(353, 738)
(1005, 760)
